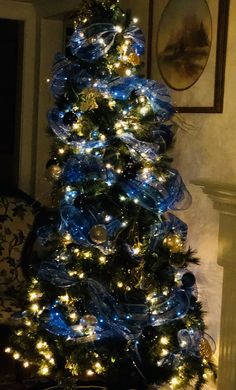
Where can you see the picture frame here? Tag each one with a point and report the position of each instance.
(193, 64)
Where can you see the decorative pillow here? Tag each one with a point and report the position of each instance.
(16, 220)
(9, 310)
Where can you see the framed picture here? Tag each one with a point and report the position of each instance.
(187, 44)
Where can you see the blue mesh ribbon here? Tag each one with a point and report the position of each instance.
(93, 42)
(158, 196)
(157, 94)
(170, 225)
(78, 222)
(141, 150)
(82, 168)
(159, 98)
(55, 273)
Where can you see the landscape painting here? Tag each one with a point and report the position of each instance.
(183, 43)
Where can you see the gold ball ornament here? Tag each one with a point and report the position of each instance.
(134, 59)
(90, 320)
(98, 234)
(177, 261)
(205, 348)
(53, 172)
(121, 70)
(174, 243)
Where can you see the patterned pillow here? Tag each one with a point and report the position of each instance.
(10, 310)
(16, 220)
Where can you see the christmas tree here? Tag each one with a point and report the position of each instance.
(112, 300)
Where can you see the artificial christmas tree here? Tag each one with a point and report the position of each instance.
(112, 300)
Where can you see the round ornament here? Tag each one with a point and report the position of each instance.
(70, 118)
(89, 320)
(134, 59)
(176, 261)
(205, 348)
(54, 172)
(188, 279)
(52, 161)
(98, 234)
(174, 243)
(121, 70)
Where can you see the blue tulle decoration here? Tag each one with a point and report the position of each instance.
(62, 131)
(104, 306)
(55, 273)
(171, 309)
(67, 136)
(141, 150)
(93, 42)
(122, 87)
(64, 73)
(117, 319)
(62, 67)
(79, 222)
(157, 94)
(81, 80)
(137, 38)
(54, 322)
(189, 340)
(158, 195)
(170, 225)
(163, 136)
(159, 98)
(82, 168)
(46, 234)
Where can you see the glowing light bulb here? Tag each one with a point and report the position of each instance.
(73, 316)
(128, 72)
(61, 151)
(87, 255)
(16, 355)
(26, 364)
(44, 370)
(120, 284)
(67, 237)
(8, 350)
(136, 250)
(175, 381)
(39, 345)
(135, 20)
(144, 110)
(118, 29)
(164, 352)
(89, 373)
(64, 298)
(164, 340)
(35, 308)
(102, 260)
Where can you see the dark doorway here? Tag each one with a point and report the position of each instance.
(11, 47)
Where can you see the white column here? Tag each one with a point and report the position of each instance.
(224, 200)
